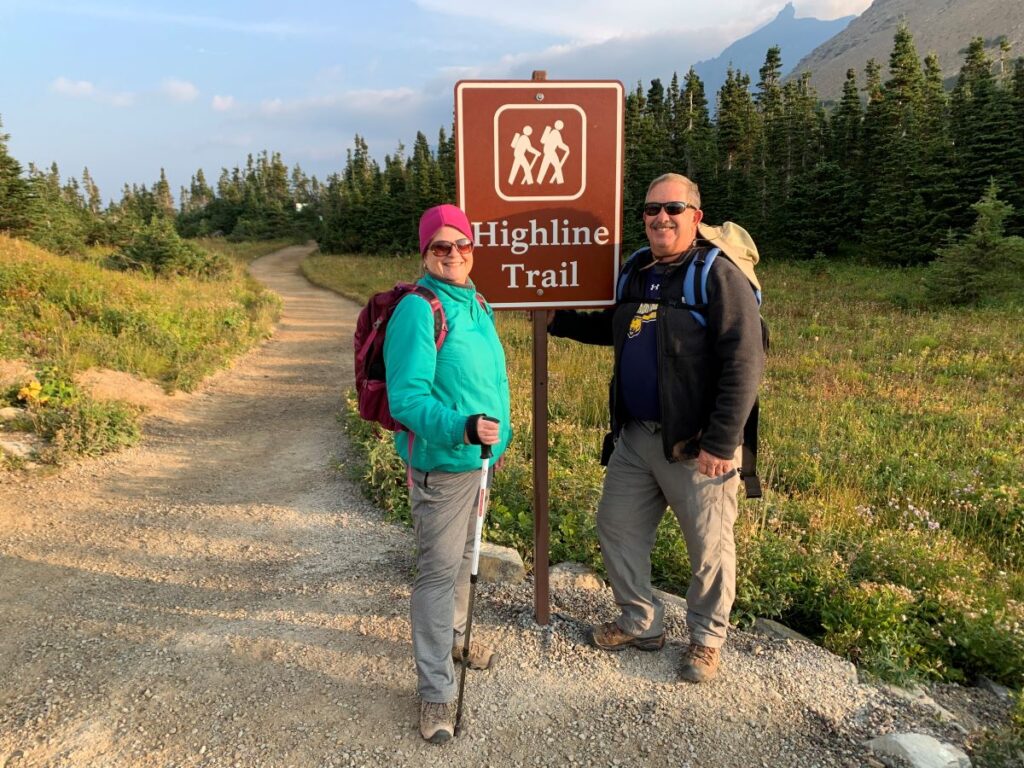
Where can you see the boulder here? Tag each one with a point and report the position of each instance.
(917, 695)
(574, 576)
(779, 631)
(20, 446)
(673, 601)
(917, 751)
(10, 413)
(500, 565)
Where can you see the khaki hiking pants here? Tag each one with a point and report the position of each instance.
(639, 484)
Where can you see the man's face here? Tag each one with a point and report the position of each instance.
(670, 235)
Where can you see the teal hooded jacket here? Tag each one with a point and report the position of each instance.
(433, 391)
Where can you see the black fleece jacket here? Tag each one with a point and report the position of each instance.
(707, 375)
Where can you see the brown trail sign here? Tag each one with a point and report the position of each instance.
(539, 173)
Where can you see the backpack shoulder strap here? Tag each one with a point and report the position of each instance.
(748, 465)
(440, 319)
(698, 302)
(643, 254)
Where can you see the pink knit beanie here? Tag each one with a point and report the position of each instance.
(442, 216)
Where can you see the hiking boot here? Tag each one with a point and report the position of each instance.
(480, 656)
(609, 637)
(700, 663)
(437, 721)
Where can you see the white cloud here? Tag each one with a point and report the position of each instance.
(222, 103)
(830, 9)
(364, 102)
(83, 89)
(80, 88)
(196, 21)
(179, 90)
(602, 20)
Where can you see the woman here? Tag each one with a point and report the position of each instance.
(441, 395)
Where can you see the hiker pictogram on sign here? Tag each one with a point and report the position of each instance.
(551, 167)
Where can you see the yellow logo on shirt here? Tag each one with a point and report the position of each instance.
(645, 313)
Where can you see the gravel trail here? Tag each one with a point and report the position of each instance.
(220, 595)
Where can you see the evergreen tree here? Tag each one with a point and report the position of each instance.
(738, 133)
(14, 192)
(985, 267)
(847, 126)
(983, 126)
(816, 214)
(772, 167)
(162, 199)
(895, 226)
(93, 200)
(54, 222)
(1015, 194)
(634, 184)
(446, 164)
(694, 120)
(939, 185)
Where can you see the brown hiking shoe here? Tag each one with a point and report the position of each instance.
(609, 637)
(481, 656)
(437, 721)
(700, 663)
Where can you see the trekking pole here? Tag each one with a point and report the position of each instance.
(481, 509)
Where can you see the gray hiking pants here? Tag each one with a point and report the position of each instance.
(639, 484)
(443, 516)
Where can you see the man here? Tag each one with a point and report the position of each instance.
(681, 393)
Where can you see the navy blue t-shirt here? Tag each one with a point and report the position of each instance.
(638, 372)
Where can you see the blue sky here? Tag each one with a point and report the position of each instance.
(126, 88)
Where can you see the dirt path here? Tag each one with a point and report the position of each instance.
(221, 596)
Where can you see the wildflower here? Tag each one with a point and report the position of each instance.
(30, 393)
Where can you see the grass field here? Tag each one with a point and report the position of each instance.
(60, 315)
(892, 530)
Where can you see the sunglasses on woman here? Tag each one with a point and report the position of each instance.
(673, 208)
(441, 248)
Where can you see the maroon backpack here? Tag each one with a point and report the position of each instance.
(371, 383)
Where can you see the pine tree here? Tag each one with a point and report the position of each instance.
(983, 125)
(445, 165)
(163, 200)
(739, 129)
(634, 185)
(895, 222)
(1015, 194)
(939, 186)
(700, 155)
(14, 192)
(772, 168)
(93, 200)
(985, 267)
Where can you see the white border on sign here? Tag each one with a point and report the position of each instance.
(547, 85)
(497, 155)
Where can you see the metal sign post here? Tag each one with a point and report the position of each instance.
(539, 173)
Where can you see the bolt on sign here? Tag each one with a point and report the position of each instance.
(539, 170)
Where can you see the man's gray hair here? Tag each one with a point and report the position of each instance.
(693, 191)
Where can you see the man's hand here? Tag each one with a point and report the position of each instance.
(712, 466)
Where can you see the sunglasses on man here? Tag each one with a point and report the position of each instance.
(441, 248)
(673, 208)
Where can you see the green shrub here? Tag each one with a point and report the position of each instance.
(72, 422)
(986, 267)
(875, 626)
(158, 249)
(1003, 748)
